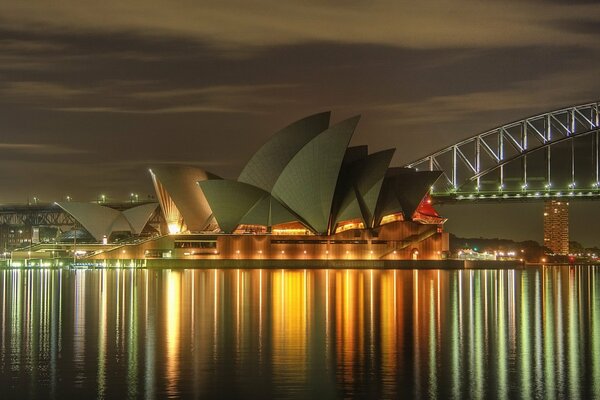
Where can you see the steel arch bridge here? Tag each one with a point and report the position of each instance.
(546, 156)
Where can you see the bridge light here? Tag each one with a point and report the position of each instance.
(548, 185)
(524, 186)
(500, 187)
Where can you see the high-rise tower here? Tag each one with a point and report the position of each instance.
(556, 226)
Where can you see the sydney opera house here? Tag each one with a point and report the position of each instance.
(305, 194)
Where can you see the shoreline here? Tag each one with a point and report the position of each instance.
(448, 264)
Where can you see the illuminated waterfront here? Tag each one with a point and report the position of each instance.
(531, 333)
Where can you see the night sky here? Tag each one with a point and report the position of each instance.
(91, 95)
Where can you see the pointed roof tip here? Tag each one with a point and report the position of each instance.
(322, 114)
(391, 150)
(178, 169)
(326, 112)
(350, 122)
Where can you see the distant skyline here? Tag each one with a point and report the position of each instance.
(91, 95)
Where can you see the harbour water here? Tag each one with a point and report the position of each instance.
(279, 333)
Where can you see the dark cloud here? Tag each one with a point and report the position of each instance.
(265, 23)
(585, 26)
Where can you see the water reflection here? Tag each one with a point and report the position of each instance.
(301, 333)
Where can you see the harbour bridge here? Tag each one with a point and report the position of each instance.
(554, 155)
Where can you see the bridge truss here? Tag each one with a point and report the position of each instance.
(50, 214)
(35, 215)
(550, 155)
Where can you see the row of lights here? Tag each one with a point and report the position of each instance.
(518, 195)
(548, 186)
(305, 252)
(133, 197)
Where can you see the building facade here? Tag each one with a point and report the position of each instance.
(304, 194)
(556, 226)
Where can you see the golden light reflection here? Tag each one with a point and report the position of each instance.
(429, 333)
(289, 325)
(347, 311)
(389, 329)
(102, 334)
(173, 322)
(260, 309)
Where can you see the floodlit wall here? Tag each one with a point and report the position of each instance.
(396, 241)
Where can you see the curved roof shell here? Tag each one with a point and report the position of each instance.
(235, 203)
(307, 184)
(267, 164)
(139, 216)
(402, 191)
(268, 211)
(180, 185)
(101, 221)
(363, 181)
(411, 186)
